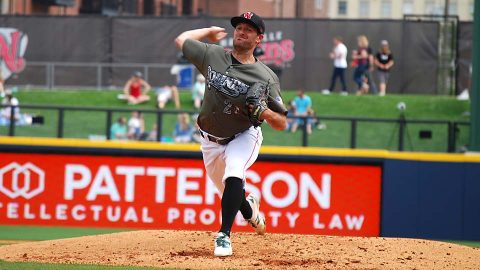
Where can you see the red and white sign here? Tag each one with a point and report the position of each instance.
(172, 193)
(13, 45)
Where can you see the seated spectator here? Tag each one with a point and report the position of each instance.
(21, 119)
(165, 94)
(136, 126)
(183, 129)
(152, 135)
(6, 112)
(291, 112)
(302, 103)
(132, 91)
(118, 131)
(198, 91)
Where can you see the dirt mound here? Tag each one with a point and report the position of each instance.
(194, 250)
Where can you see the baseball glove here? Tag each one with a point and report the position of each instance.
(256, 102)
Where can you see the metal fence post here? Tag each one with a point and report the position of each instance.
(304, 129)
(353, 134)
(451, 137)
(109, 124)
(145, 73)
(11, 129)
(52, 77)
(60, 123)
(99, 77)
(159, 125)
(47, 76)
(401, 131)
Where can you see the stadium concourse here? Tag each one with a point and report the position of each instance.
(190, 250)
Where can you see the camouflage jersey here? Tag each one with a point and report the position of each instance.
(223, 112)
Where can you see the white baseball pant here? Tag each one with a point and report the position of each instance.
(232, 159)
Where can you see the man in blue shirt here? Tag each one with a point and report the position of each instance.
(302, 104)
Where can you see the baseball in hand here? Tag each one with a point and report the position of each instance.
(218, 33)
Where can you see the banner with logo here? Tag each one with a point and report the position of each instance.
(174, 193)
(13, 44)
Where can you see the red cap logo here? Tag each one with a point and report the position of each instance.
(248, 15)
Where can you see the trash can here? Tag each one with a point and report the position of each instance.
(185, 75)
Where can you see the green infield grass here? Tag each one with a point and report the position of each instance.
(83, 124)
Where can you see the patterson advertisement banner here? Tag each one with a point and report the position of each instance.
(174, 193)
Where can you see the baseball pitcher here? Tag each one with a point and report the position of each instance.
(240, 94)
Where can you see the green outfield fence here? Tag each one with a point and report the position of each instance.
(160, 117)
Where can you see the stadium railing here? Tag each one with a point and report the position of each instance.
(401, 122)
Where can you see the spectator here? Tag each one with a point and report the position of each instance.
(183, 129)
(384, 62)
(132, 91)
(291, 112)
(152, 135)
(165, 94)
(136, 126)
(339, 57)
(361, 58)
(6, 111)
(302, 103)
(118, 131)
(198, 91)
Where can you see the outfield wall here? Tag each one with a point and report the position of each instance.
(298, 48)
(304, 190)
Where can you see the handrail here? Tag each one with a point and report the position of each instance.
(452, 126)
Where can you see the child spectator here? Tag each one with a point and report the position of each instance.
(136, 126)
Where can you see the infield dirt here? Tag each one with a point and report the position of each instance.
(194, 250)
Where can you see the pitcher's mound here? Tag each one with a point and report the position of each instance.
(194, 250)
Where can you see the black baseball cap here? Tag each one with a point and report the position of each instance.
(250, 18)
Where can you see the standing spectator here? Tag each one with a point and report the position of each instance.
(339, 57)
(384, 62)
(361, 58)
(183, 129)
(132, 91)
(118, 131)
(136, 126)
(302, 104)
(198, 91)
